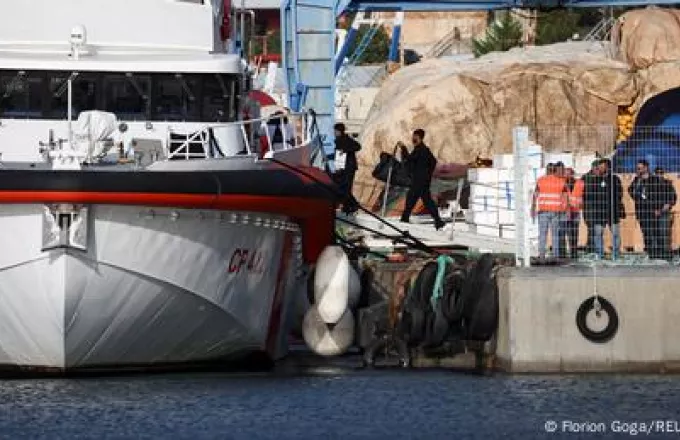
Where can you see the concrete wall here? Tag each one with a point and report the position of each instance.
(537, 323)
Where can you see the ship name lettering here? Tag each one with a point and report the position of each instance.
(246, 260)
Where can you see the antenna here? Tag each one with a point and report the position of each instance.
(78, 40)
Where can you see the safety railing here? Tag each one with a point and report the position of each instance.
(617, 190)
(257, 135)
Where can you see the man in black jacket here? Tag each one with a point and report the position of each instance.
(421, 164)
(349, 146)
(603, 207)
(654, 198)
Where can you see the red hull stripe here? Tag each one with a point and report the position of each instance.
(316, 216)
(277, 303)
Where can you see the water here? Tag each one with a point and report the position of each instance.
(335, 404)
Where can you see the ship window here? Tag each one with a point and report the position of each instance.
(21, 95)
(176, 98)
(127, 96)
(84, 94)
(219, 98)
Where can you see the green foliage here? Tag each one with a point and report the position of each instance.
(378, 49)
(558, 25)
(273, 44)
(502, 35)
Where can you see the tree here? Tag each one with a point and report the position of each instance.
(556, 26)
(378, 49)
(502, 35)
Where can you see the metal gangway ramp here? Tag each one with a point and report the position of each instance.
(455, 233)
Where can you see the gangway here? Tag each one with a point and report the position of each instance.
(457, 233)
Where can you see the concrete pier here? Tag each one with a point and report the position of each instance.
(537, 329)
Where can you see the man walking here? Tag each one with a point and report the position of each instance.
(654, 198)
(349, 146)
(421, 164)
(549, 204)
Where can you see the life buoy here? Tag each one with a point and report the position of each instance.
(386, 345)
(599, 305)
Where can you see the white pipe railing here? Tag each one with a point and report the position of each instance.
(299, 121)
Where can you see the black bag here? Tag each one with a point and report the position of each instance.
(400, 174)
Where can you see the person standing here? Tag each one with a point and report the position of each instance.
(654, 198)
(421, 164)
(603, 196)
(572, 221)
(549, 204)
(349, 146)
(589, 208)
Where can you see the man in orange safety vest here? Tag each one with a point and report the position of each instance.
(549, 205)
(572, 220)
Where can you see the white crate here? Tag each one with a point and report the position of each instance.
(488, 218)
(483, 204)
(582, 163)
(503, 161)
(535, 160)
(566, 158)
(483, 175)
(481, 190)
(506, 217)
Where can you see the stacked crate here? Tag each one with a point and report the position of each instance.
(492, 190)
(492, 194)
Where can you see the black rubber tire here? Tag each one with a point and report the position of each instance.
(605, 335)
(422, 288)
(417, 328)
(383, 343)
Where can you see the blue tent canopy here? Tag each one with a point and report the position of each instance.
(655, 138)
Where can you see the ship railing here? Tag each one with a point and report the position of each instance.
(256, 135)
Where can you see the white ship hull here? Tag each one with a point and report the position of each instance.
(151, 287)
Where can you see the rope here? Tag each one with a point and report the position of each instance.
(438, 289)
(596, 304)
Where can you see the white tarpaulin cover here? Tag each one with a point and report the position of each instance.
(91, 130)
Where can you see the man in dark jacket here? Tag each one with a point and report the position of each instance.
(421, 164)
(603, 207)
(654, 198)
(349, 146)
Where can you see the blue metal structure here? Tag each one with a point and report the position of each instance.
(308, 33)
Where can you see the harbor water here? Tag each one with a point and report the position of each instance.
(341, 404)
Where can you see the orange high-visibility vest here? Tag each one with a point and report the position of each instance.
(552, 196)
(576, 196)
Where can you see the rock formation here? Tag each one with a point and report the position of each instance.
(567, 93)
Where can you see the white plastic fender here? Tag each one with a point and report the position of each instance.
(331, 284)
(326, 340)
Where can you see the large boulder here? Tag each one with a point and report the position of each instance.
(648, 36)
(568, 94)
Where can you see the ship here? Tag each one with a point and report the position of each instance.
(143, 225)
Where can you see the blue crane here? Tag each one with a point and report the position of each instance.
(308, 33)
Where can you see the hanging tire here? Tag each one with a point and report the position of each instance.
(384, 345)
(597, 336)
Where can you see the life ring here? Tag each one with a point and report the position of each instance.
(385, 344)
(604, 335)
